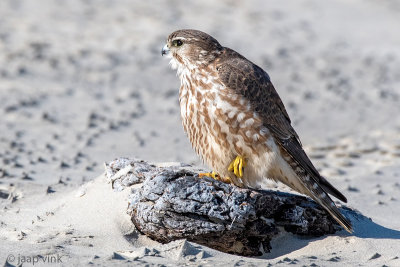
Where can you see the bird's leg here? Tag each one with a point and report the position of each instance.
(215, 176)
(237, 166)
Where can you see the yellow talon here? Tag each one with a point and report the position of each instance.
(237, 166)
(241, 168)
(230, 168)
(215, 176)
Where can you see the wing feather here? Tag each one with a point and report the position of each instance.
(249, 80)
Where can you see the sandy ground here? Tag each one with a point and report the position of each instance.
(83, 82)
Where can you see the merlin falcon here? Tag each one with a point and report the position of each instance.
(237, 123)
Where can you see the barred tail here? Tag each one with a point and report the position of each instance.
(330, 206)
(311, 182)
(321, 197)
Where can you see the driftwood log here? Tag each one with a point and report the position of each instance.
(174, 203)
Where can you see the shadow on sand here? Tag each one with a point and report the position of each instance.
(363, 226)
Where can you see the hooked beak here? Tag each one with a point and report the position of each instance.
(165, 50)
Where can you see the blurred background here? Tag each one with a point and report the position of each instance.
(83, 82)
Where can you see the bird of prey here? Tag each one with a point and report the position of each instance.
(237, 123)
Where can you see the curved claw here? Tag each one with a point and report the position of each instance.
(216, 176)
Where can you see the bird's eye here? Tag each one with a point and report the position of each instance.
(177, 42)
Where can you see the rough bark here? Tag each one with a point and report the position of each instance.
(174, 203)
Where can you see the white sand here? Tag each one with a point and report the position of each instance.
(83, 82)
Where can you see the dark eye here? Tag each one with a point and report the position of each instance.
(177, 42)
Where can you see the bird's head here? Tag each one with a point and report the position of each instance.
(190, 49)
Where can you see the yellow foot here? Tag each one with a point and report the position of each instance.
(215, 176)
(237, 166)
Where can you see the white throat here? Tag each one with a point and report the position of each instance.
(183, 70)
